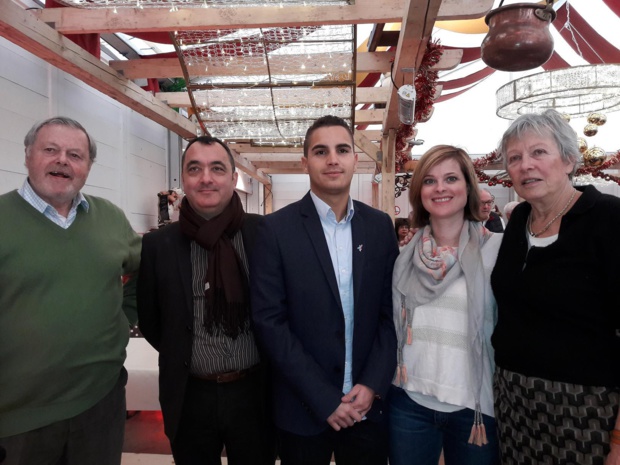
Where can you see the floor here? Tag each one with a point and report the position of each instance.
(146, 443)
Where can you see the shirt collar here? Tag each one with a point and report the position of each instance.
(28, 193)
(325, 211)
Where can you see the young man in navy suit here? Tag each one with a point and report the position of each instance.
(321, 307)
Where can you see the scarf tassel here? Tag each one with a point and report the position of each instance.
(401, 375)
(409, 335)
(478, 434)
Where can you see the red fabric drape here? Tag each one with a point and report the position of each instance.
(467, 80)
(89, 42)
(614, 5)
(469, 53)
(555, 62)
(594, 48)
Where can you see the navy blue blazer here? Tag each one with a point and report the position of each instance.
(298, 317)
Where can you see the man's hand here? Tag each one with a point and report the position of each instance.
(361, 398)
(344, 416)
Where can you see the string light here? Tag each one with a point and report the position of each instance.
(274, 103)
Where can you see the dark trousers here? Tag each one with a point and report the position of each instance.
(364, 443)
(94, 437)
(234, 415)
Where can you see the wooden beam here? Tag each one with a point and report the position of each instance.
(296, 165)
(359, 170)
(369, 116)
(366, 145)
(267, 199)
(24, 29)
(388, 169)
(372, 134)
(363, 95)
(132, 20)
(248, 149)
(367, 62)
(257, 159)
(249, 169)
(416, 27)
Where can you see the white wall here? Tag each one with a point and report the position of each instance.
(131, 159)
(132, 163)
(288, 188)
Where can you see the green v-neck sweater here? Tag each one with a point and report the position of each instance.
(63, 330)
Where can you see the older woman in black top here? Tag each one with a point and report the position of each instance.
(557, 344)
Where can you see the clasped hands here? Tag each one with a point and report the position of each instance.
(353, 407)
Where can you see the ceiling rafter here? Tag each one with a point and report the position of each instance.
(367, 62)
(24, 29)
(364, 95)
(131, 21)
(412, 42)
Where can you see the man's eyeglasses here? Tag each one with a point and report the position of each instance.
(488, 203)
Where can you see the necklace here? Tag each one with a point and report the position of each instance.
(548, 225)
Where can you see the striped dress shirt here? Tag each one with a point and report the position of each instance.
(217, 353)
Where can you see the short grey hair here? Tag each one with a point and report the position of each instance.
(509, 207)
(31, 137)
(549, 123)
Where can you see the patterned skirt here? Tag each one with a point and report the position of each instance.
(552, 423)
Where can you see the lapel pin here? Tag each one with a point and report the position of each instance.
(359, 247)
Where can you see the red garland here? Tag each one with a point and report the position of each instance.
(597, 171)
(482, 162)
(501, 179)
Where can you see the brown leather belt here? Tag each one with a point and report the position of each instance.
(227, 377)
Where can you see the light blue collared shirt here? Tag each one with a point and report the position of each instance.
(30, 196)
(339, 242)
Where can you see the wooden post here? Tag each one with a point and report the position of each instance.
(268, 199)
(388, 146)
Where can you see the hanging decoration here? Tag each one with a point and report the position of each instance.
(595, 160)
(598, 171)
(519, 38)
(401, 183)
(500, 179)
(425, 83)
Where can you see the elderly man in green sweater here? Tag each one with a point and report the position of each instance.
(63, 323)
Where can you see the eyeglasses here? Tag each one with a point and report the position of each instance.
(488, 203)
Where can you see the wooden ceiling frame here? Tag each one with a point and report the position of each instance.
(41, 33)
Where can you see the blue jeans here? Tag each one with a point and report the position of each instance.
(418, 434)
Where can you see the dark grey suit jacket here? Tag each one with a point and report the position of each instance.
(165, 309)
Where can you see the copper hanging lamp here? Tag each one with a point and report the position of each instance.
(519, 38)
